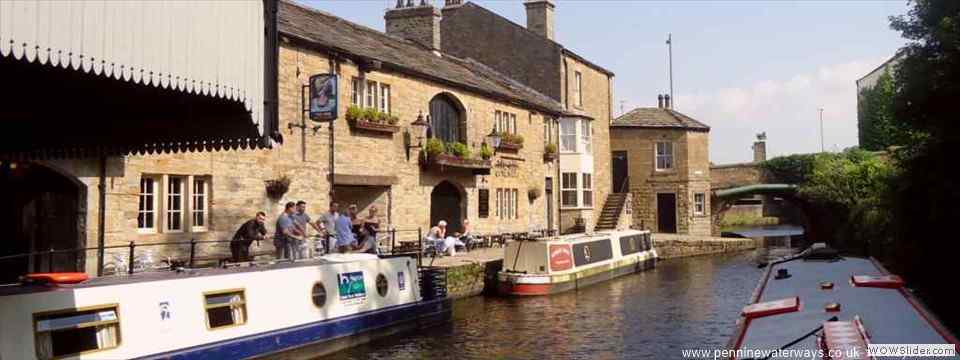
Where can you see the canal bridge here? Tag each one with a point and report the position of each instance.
(733, 182)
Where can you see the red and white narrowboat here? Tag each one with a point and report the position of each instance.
(557, 264)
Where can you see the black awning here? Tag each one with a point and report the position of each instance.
(51, 112)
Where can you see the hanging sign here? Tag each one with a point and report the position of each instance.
(323, 97)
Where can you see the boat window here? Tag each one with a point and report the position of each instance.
(225, 308)
(319, 294)
(76, 331)
(382, 285)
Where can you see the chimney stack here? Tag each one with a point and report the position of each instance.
(660, 101)
(666, 102)
(760, 148)
(540, 17)
(420, 24)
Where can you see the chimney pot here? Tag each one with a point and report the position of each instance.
(666, 102)
(660, 101)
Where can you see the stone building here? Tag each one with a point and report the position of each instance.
(532, 56)
(661, 158)
(163, 197)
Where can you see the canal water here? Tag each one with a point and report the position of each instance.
(689, 303)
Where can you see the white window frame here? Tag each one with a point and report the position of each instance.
(569, 188)
(155, 195)
(168, 201)
(497, 124)
(586, 130)
(513, 123)
(198, 198)
(355, 92)
(371, 94)
(100, 317)
(578, 87)
(384, 98)
(516, 204)
(667, 155)
(499, 203)
(568, 140)
(699, 203)
(586, 190)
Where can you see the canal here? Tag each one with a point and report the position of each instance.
(688, 303)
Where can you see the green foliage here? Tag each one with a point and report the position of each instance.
(791, 169)
(485, 151)
(550, 149)
(511, 138)
(383, 117)
(435, 147)
(852, 179)
(459, 150)
(370, 115)
(354, 113)
(879, 128)
(393, 120)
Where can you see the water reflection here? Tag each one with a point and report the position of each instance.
(682, 304)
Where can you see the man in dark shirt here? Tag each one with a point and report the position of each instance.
(248, 232)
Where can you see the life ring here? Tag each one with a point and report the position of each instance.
(57, 278)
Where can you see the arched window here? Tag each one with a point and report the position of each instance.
(446, 119)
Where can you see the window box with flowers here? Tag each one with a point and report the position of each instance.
(511, 141)
(440, 156)
(372, 120)
(550, 152)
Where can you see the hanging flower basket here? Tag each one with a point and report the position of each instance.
(277, 188)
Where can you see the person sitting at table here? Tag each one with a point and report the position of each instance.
(368, 233)
(466, 236)
(444, 244)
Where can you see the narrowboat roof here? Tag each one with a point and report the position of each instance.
(16, 289)
(593, 236)
(889, 315)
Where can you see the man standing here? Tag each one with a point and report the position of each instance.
(301, 219)
(328, 222)
(251, 230)
(286, 233)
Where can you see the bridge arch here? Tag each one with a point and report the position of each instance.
(723, 199)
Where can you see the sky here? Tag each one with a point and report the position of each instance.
(742, 67)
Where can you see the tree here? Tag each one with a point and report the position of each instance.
(879, 129)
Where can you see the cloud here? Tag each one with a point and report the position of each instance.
(786, 109)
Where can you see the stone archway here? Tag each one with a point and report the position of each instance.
(719, 207)
(448, 203)
(40, 209)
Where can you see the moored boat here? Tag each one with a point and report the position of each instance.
(821, 305)
(299, 309)
(557, 264)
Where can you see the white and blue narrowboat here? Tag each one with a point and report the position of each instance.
(298, 309)
(552, 265)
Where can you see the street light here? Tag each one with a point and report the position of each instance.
(494, 138)
(419, 126)
(821, 129)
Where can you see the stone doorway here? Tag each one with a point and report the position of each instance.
(447, 203)
(667, 213)
(40, 209)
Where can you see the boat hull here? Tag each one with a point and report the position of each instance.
(323, 337)
(519, 285)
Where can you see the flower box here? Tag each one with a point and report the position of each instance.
(443, 161)
(510, 146)
(375, 126)
(549, 157)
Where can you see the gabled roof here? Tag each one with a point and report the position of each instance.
(315, 28)
(658, 118)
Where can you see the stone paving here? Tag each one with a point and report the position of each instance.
(475, 256)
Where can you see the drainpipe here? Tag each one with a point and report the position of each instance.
(333, 70)
(559, 187)
(101, 214)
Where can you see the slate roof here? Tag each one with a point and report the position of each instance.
(331, 33)
(657, 118)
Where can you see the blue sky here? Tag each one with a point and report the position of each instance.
(742, 67)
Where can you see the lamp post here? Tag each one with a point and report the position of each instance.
(494, 138)
(821, 129)
(419, 126)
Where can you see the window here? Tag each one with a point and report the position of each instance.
(664, 155)
(587, 190)
(198, 203)
(385, 98)
(174, 204)
(578, 88)
(382, 285)
(372, 94)
(355, 91)
(497, 121)
(509, 204)
(586, 132)
(500, 203)
(568, 190)
(483, 203)
(446, 120)
(72, 332)
(319, 295)
(147, 215)
(568, 135)
(225, 308)
(699, 203)
(513, 123)
(515, 207)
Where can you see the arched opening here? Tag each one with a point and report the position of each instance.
(447, 203)
(40, 209)
(447, 119)
(790, 210)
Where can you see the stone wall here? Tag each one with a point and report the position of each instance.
(671, 246)
(734, 175)
(472, 279)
